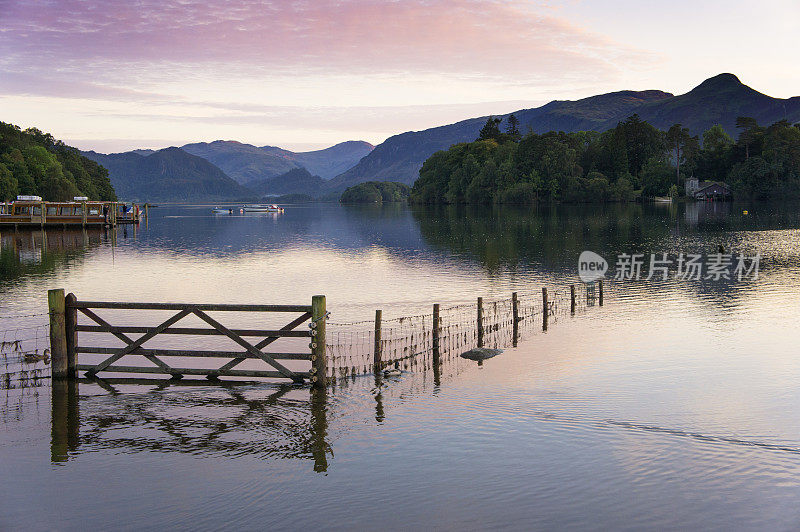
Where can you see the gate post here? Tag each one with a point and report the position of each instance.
(320, 363)
(545, 309)
(70, 322)
(377, 362)
(480, 322)
(514, 318)
(436, 329)
(58, 334)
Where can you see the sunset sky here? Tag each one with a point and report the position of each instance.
(112, 75)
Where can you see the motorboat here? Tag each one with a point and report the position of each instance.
(263, 208)
(223, 210)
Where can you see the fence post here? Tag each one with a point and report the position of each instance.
(58, 334)
(514, 317)
(320, 364)
(600, 292)
(572, 298)
(377, 363)
(70, 322)
(480, 322)
(436, 360)
(545, 309)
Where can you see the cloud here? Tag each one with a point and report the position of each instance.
(463, 37)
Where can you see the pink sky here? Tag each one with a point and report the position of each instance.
(115, 75)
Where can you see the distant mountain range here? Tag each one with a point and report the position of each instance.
(718, 100)
(170, 174)
(231, 170)
(225, 170)
(295, 181)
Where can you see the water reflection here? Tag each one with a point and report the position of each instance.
(39, 252)
(226, 420)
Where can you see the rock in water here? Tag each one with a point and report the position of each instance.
(481, 353)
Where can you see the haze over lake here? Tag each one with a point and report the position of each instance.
(674, 394)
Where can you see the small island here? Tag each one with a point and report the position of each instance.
(376, 192)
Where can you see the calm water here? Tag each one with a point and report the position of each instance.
(675, 405)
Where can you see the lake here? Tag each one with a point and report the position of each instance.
(674, 405)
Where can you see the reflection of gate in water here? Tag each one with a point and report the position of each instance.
(216, 420)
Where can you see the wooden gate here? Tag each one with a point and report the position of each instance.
(65, 337)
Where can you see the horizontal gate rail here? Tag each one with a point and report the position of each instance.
(195, 371)
(190, 353)
(195, 331)
(314, 316)
(198, 306)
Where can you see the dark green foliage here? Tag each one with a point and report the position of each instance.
(32, 162)
(293, 198)
(613, 166)
(512, 127)
(491, 129)
(376, 192)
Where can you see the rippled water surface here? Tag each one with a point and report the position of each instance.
(675, 405)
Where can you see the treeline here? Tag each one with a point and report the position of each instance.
(633, 159)
(376, 192)
(34, 163)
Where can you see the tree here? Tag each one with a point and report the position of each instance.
(714, 158)
(750, 131)
(512, 128)
(683, 147)
(491, 130)
(641, 140)
(656, 178)
(8, 184)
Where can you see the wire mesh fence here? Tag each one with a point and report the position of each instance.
(24, 351)
(407, 342)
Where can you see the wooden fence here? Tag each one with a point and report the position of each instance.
(66, 345)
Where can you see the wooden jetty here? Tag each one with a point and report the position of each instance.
(31, 211)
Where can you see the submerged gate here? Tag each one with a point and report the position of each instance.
(67, 342)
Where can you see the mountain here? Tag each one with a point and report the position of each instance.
(245, 162)
(170, 174)
(295, 181)
(242, 162)
(330, 162)
(718, 100)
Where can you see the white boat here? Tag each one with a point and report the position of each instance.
(263, 208)
(223, 210)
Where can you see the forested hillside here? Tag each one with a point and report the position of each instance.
(718, 100)
(170, 174)
(34, 163)
(632, 158)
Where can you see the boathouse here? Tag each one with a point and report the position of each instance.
(707, 190)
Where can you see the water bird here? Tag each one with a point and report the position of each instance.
(392, 372)
(480, 354)
(34, 357)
